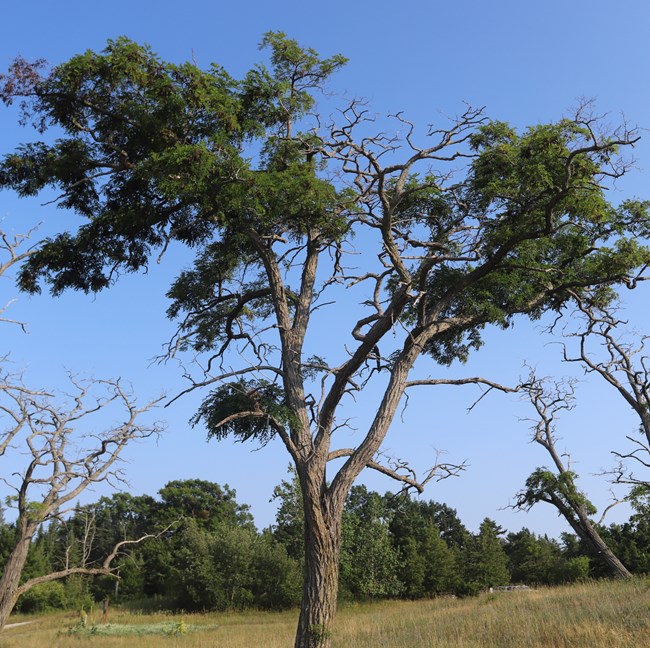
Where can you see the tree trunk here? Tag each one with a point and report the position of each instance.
(321, 576)
(579, 520)
(601, 550)
(10, 580)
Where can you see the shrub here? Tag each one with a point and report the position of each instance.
(43, 597)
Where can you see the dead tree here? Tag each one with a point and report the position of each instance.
(12, 254)
(557, 485)
(52, 458)
(621, 360)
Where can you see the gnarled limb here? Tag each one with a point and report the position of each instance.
(53, 460)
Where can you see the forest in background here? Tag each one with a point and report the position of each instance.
(212, 557)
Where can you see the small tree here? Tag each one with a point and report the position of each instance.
(485, 563)
(50, 463)
(278, 204)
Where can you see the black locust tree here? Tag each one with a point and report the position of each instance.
(432, 239)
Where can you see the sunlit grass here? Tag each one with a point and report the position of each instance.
(591, 615)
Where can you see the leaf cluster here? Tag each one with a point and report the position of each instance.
(247, 409)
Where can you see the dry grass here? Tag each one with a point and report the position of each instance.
(602, 615)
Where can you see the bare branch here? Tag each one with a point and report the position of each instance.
(400, 470)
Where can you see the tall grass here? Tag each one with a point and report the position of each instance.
(591, 615)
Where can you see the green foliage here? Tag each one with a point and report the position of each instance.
(544, 485)
(577, 569)
(535, 559)
(276, 97)
(152, 151)
(369, 560)
(77, 592)
(42, 598)
(276, 581)
(485, 563)
(232, 568)
(7, 541)
(246, 409)
(207, 503)
(168, 629)
(39, 559)
(289, 528)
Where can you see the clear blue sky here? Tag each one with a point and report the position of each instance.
(526, 62)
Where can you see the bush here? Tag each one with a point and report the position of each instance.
(43, 597)
(577, 569)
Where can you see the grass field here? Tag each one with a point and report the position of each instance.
(593, 615)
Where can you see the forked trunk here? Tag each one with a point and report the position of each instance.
(320, 585)
(11, 579)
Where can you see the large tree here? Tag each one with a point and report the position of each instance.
(431, 238)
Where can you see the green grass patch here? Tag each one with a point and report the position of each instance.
(175, 628)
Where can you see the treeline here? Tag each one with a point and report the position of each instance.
(208, 555)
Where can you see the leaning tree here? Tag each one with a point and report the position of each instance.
(49, 454)
(557, 485)
(427, 239)
(605, 349)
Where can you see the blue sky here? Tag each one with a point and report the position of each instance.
(526, 62)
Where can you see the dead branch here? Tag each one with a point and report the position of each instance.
(105, 569)
(401, 471)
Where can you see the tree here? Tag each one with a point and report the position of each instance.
(557, 486)
(369, 562)
(278, 204)
(623, 364)
(289, 519)
(430, 538)
(206, 502)
(51, 462)
(485, 563)
(59, 463)
(534, 559)
(620, 361)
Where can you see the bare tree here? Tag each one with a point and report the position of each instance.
(12, 253)
(51, 455)
(557, 485)
(621, 360)
(54, 458)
